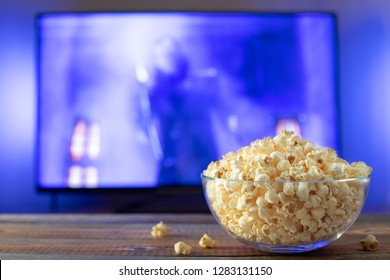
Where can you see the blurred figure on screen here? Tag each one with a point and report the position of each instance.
(175, 114)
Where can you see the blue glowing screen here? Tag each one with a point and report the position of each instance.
(149, 99)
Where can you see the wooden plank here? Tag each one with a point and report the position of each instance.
(127, 236)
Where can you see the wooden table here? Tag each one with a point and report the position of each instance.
(127, 236)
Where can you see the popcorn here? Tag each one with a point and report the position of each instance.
(337, 169)
(286, 191)
(207, 242)
(369, 243)
(309, 147)
(261, 177)
(318, 213)
(160, 230)
(276, 157)
(182, 248)
(271, 197)
(303, 191)
(315, 173)
(283, 165)
(322, 190)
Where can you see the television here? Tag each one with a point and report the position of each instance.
(146, 100)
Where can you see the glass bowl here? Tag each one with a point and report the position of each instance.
(285, 216)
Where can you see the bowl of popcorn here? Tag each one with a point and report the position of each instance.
(285, 194)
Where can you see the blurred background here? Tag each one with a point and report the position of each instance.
(364, 93)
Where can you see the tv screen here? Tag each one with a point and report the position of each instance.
(146, 100)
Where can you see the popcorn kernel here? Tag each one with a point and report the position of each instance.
(369, 243)
(207, 242)
(290, 195)
(182, 248)
(160, 230)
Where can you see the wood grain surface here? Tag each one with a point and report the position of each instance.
(127, 236)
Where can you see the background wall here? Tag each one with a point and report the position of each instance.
(364, 39)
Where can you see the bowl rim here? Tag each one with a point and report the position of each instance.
(364, 179)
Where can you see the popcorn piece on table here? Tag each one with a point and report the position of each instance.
(160, 230)
(182, 248)
(369, 243)
(207, 242)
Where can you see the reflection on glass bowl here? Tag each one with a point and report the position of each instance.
(285, 216)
